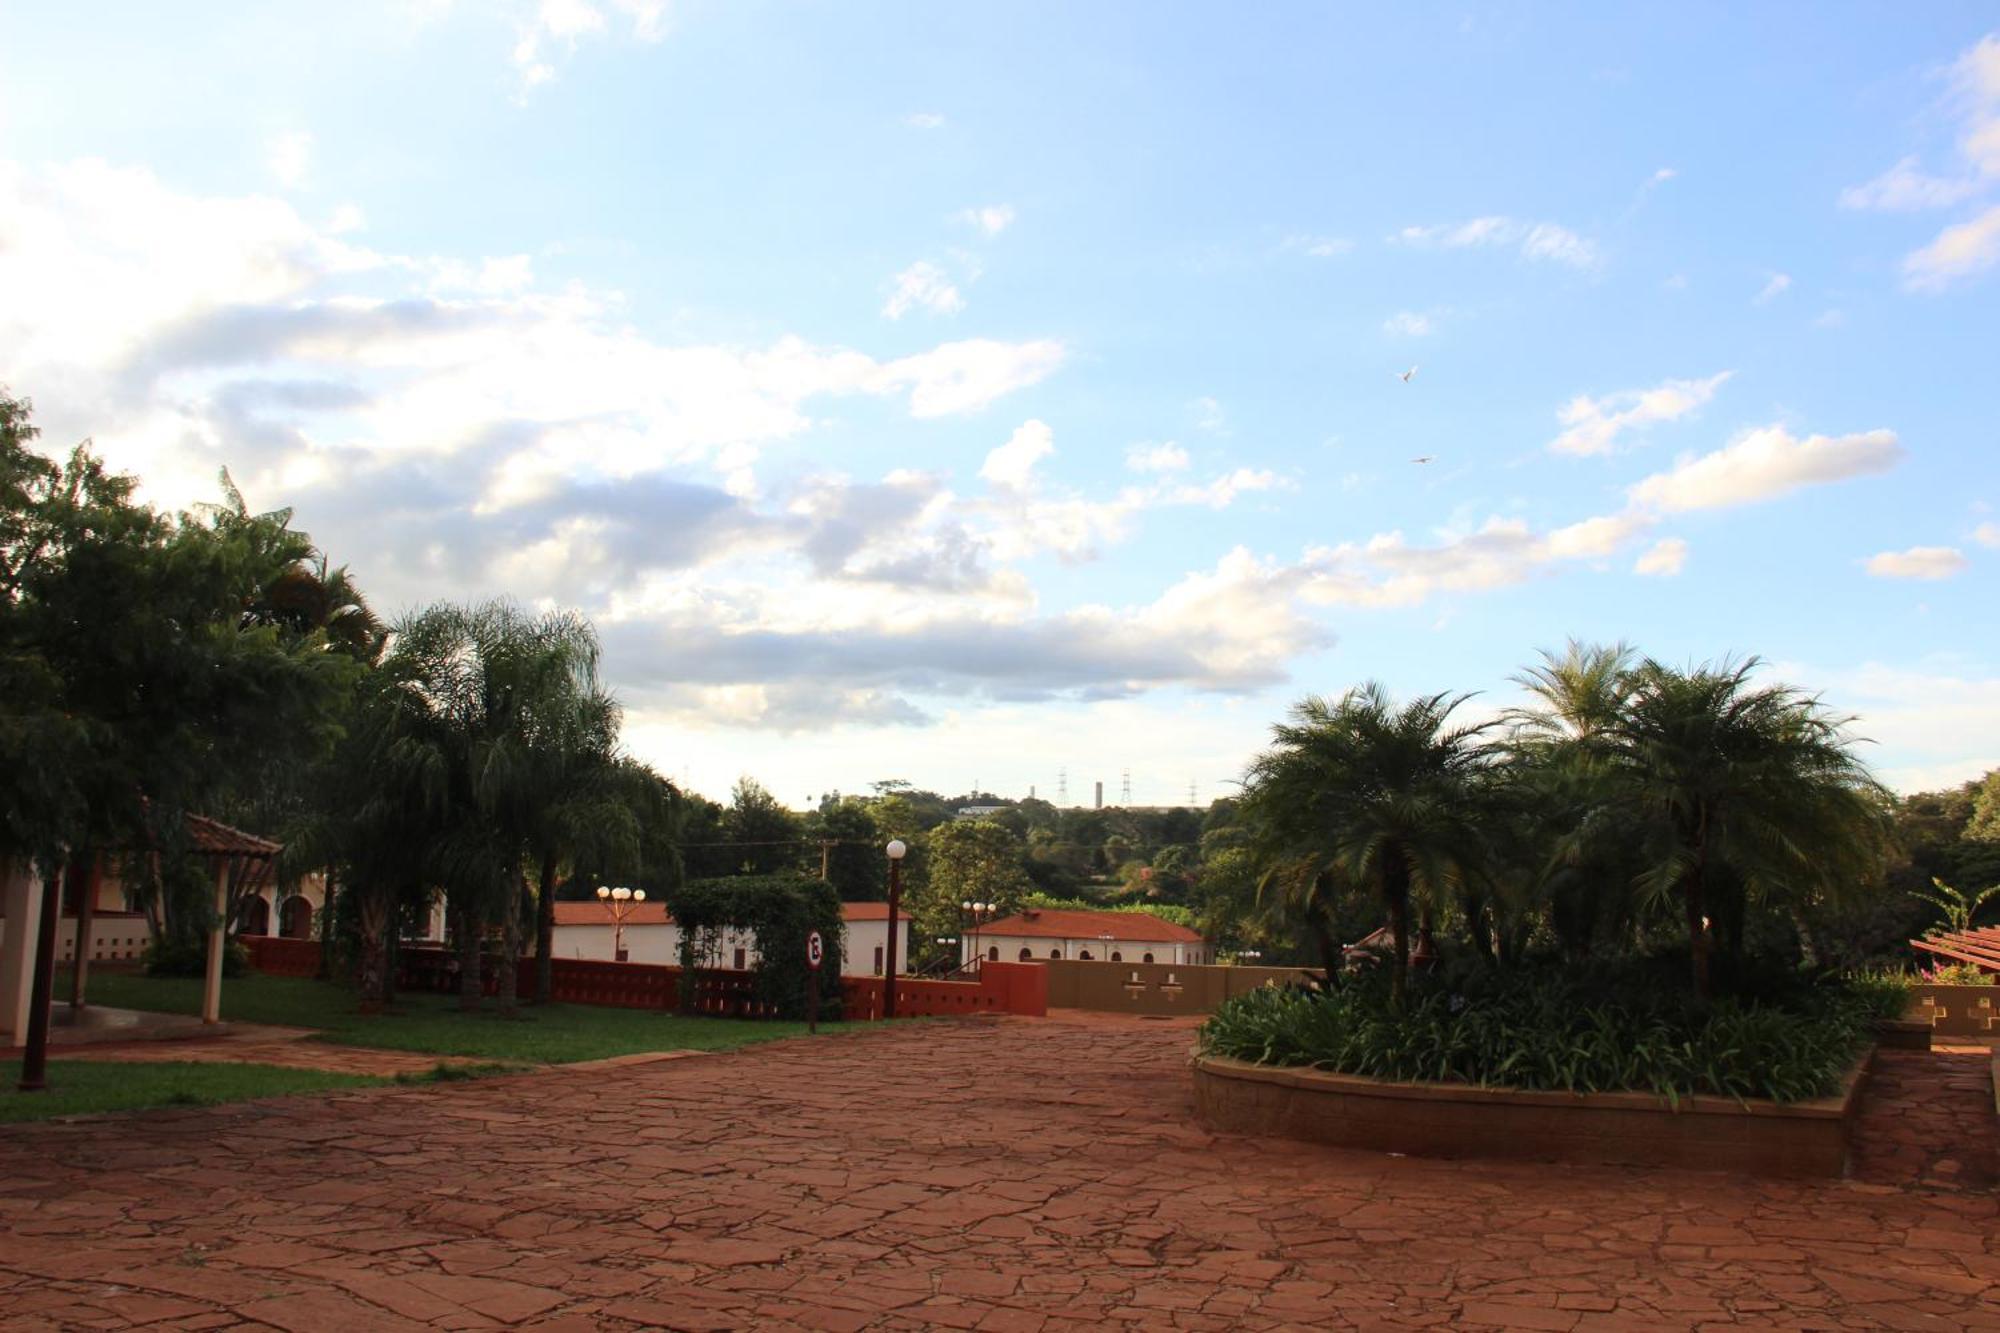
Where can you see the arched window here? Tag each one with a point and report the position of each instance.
(254, 917)
(1083, 957)
(295, 918)
(1026, 954)
(1055, 953)
(1147, 959)
(1117, 957)
(993, 954)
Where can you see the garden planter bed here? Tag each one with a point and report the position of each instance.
(1957, 1011)
(1797, 1139)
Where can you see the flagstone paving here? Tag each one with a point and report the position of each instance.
(263, 1044)
(990, 1174)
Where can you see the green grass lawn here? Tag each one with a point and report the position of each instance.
(81, 1087)
(555, 1034)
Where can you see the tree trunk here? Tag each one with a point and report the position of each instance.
(1396, 890)
(469, 989)
(326, 919)
(1697, 927)
(372, 921)
(545, 932)
(506, 972)
(1483, 932)
(1329, 949)
(83, 874)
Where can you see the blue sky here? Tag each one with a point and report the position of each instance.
(975, 392)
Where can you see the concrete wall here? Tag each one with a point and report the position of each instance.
(1043, 949)
(1156, 988)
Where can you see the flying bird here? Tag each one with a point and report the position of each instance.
(1425, 459)
(1405, 376)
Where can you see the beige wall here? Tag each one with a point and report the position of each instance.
(1157, 988)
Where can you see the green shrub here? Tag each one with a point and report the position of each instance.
(1545, 1031)
(780, 910)
(189, 958)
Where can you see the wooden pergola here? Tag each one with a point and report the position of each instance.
(1981, 947)
(242, 863)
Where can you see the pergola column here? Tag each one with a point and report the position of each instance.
(211, 991)
(17, 950)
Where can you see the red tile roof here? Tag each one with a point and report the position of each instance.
(1064, 924)
(655, 914)
(212, 837)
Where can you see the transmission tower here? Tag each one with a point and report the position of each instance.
(1125, 789)
(1192, 802)
(1062, 788)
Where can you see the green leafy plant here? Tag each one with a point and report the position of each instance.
(780, 911)
(1543, 1032)
(1959, 908)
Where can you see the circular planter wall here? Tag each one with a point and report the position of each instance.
(1458, 1120)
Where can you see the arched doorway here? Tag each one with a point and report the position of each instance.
(993, 954)
(254, 917)
(295, 918)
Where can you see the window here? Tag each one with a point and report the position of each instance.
(1083, 957)
(993, 954)
(740, 960)
(878, 960)
(1026, 954)
(1117, 957)
(1147, 959)
(1055, 953)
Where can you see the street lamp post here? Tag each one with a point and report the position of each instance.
(1107, 941)
(620, 903)
(896, 850)
(980, 913)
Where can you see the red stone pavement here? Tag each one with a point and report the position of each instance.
(992, 1173)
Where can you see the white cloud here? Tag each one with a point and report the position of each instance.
(965, 376)
(1209, 416)
(1763, 464)
(1941, 721)
(290, 158)
(1904, 188)
(1388, 571)
(1831, 319)
(923, 284)
(1958, 252)
(1919, 562)
(1663, 559)
(1662, 176)
(924, 120)
(1988, 535)
(565, 23)
(1534, 240)
(1012, 464)
(1592, 425)
(1168, 457)
(346, 218)
(1777, 286)
(1318, 247)
(990, 220)
(1407, 324)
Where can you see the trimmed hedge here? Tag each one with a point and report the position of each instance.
(1544, 1032)
(780, 910)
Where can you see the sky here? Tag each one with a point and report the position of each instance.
(1006, 396)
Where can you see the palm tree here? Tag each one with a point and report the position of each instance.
(491, 699)
(1581, 846)
(1362, 792)
(1739, 792)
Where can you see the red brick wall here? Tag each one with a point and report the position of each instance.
(282, 957)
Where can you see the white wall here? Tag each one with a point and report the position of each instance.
(662, 944)
(1129, 951)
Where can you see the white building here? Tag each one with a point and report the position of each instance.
(1118, 937)
(587, 930)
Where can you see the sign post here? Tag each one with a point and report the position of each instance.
(815, 953)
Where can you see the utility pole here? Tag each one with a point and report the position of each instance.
(825, 859)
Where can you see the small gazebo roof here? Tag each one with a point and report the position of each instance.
(212, 837)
